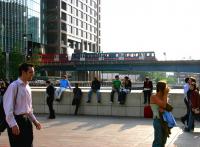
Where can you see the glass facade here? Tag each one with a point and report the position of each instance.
(19, 25)
(13, 24)
(34, 19)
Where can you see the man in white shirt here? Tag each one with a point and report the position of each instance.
(17, 102)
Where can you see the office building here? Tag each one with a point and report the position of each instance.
(72, 26)
(20, 25)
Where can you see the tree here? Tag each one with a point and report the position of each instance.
(16, 58)
(3, 65)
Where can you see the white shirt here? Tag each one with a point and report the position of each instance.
(186, 87)
(20, 104)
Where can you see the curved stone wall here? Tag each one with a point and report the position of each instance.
(133, 107)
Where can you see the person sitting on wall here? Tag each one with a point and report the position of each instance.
(64, 84)
(95, 87)
(115, 88)
(124, 90)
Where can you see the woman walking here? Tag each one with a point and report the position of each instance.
(158, 103)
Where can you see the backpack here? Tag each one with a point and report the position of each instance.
(3, 123)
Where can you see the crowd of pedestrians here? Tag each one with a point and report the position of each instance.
(20, 119)
(192, 102)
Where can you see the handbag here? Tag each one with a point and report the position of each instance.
(169, 118)
(3, 123)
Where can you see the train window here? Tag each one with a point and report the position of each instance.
(148, 54)
(117, 55)
(131, 55)
(152, 54)
(127, 55)
(136, 54)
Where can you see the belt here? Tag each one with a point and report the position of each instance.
(24, 115)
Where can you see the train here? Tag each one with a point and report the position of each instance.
(114, 56)
(87, 57)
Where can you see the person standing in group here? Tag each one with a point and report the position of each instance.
(17, 102)
(186, 88)
(147, 90)
(194, 106)
(64, 84)
(187, 91)
(95, 87)
(158, 103)
(50, 97)
(77, 97)
(116, 84)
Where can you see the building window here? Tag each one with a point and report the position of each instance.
(76, 12)
(91, 3)
(76, 21)
(72, 30)
(77, 3)
(72, 1)
(64, 6)
(63, 16)
(63, 26)
(77, 31)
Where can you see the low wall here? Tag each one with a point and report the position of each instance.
(133, 107)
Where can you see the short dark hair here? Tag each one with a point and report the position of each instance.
(187, 79)
(126, 77)
(48, 82)
(24, 67)
(76, 84)
(117, 76)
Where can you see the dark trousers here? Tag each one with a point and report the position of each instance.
(25, 138)
(147, 95)
(159, 137)
(76, 102)
(76, 109)
(112, 94)
(122, 97)
(186, 116)
(51, 110)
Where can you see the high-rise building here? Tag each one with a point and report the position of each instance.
(20, 25)
(72, 26)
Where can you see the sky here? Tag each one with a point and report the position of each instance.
(171, 28)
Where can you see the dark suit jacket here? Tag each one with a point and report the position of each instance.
(50, 91)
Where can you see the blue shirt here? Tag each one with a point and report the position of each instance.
(65, 84)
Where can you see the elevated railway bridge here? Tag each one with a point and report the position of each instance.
(165, 66)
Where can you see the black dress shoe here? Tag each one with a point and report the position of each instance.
(52, 117)
(182, 120)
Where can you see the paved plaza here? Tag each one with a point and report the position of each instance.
(101, 131)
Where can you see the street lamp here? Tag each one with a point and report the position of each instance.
(28, 51)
